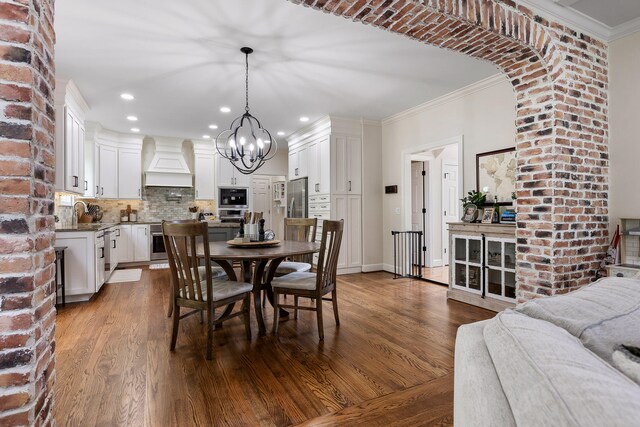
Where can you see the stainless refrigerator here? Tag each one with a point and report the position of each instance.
(297, 198)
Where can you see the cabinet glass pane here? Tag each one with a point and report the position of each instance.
(509, 284)
(510, 255)
(475, 250)
(494, 285)
(475, 278)
(461, 249)
(494, 253)
(461, 275)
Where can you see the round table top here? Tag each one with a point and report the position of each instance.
(287, 248)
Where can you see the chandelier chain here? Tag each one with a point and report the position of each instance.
(246, 82)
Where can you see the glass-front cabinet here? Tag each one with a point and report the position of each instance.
(483, 264)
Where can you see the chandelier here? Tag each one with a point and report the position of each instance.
(246, 144)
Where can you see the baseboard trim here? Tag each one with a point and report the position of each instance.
(350, 270)
(370, 268)
(388, 268)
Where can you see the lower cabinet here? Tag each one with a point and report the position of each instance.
(141, 242)
(482, 264)
(349, 208)
(81, 260)
(125, 243)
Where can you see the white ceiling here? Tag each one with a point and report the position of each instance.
(181, 60)
(606, 19)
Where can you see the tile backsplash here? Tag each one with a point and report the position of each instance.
(153, 207)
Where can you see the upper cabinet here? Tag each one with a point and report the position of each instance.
(204, 171)
(319, 152)
(228, 176)
(299, 162)
(117, 165)
(71, 109)
(346, 161)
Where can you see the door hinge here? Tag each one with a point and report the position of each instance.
(424, 249)
(424, 173)
(445, 213)
(424, 210)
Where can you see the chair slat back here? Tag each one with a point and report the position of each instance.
(329, 253)
(301, 230)
(181, 239)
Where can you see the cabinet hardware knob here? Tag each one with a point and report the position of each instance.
(102, 191)
(86, 186)
(349, 185)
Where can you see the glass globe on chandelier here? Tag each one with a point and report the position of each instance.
(246, 144)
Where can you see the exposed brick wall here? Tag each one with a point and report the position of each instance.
(560, 78)
(27, 313)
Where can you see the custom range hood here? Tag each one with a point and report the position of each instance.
(168, 166)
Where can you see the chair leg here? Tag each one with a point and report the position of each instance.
(170, 309)
(334, 298)
(319, 314)
(264, 298)
(201, 317)
(246, 309)
(276, 311)
(174, 332)
(210, 320)
(295, 310)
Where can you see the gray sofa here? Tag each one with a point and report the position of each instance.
(553, 361)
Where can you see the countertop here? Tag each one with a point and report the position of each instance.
(93, 227)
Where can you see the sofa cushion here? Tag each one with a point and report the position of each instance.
(602, 315)
(551, 379)
(478, 397)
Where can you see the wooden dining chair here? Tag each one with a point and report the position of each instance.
(192, 290)
(313, 285)
(298, 230)
(216, 271)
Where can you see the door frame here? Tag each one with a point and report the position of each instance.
(405, 167)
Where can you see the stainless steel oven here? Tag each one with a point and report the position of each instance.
(158, 250)
(233, 198)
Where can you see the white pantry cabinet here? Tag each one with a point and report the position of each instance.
(141, 242)
(346, 163)
(349, 208)
(70, 110)
(228, 176)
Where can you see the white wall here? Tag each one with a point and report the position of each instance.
(484, 114)
(372, 192)
(624, 143)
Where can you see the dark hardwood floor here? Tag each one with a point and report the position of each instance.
(389, 363)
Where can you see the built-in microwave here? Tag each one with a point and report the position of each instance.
(233, 198)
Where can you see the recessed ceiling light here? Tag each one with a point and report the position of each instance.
(135, 130)
(280, 133)
(127, 96)
(206, 136)
(304, 119)
(132, 118)
(225, 109)
(213, 126)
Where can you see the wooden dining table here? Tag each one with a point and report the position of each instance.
(254, 262)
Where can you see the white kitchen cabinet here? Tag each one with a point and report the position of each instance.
(108, 172)
(81, 255)
(129, 174)
(346, 165)
(319, 166)
(349, 208)
(204, 177)
(125, 243)
(90, 168)
(228, 176)
(70, 109)
(299, 163)
(141, 242)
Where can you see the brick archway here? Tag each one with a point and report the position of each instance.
(560, 78)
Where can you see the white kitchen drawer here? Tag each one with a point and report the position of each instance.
(320, 215)
(322, 198)
(624, 271)
(319, 207)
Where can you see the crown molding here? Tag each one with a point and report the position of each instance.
(579, 21)
(483, 84)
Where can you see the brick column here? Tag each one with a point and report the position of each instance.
(27, 313)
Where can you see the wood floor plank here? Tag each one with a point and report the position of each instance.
(392, 356)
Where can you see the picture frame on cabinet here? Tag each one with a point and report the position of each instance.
(487, 215)
(470, 213)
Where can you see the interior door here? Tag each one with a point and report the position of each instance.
(417, 196)
(449, 205)
(261, 198)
